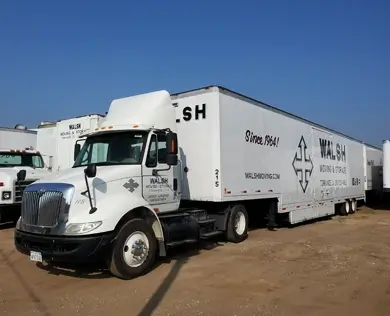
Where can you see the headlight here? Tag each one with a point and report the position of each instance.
(82, 228)
(6, 195)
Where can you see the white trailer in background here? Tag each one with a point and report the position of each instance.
(373, 171)
(18, 137)
(47, 143)
(58, 138)
(20, 165)
(386, 166)
(163, 170)
(68, 133)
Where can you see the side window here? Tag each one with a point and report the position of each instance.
(37, 161)
(162, 148)
(151, 159)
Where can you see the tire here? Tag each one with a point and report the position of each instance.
(122, 263)
(352, 206)
(345, 208)
(237, 232)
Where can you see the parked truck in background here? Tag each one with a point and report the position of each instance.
(20, 165)
(164, 170)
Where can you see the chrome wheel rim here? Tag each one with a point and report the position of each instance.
(136, 249)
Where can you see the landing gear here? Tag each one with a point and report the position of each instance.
(272, 212)
(134, 250)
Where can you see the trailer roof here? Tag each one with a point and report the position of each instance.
(213, 88)
(53, 124)
(11, 129)
(80, 116)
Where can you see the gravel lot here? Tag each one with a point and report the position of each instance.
(333, 267)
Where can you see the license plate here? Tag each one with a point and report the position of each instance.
(35, 256)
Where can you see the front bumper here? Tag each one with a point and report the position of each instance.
(67, 249)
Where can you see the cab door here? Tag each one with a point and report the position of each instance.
(160, 185)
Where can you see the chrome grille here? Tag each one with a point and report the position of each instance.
(42, 208)
(19, 189)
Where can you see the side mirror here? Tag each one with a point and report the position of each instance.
(77, 148)
(172, 147)
(90, 171)
(21, 175)
(171, 159)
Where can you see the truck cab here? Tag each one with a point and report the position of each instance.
(108, 204)
(18, 169)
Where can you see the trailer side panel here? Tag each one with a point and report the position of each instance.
(265, 154)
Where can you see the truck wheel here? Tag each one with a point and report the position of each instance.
(345, 208)
(237, 226)
(134, 250)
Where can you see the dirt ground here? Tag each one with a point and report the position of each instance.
(334, 267)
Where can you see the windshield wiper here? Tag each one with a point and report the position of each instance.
(102, 163)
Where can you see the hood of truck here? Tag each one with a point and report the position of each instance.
(104, 175)
(10, 174)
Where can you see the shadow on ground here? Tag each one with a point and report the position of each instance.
(99, 271)
(179, 256)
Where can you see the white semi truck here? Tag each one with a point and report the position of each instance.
(20, 165)
(164, 170)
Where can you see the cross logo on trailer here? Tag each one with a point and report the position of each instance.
(303, 165)
(131, 185)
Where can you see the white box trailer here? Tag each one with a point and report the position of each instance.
(47, 143)
(373, 173)
(258, 151)
(68, 132)
(58, 139)
(163, 170)
(386, 166)
(20, 137)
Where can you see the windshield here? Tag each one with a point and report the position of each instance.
(11, 159)
(120, 148)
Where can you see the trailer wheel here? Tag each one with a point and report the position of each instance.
(134, 250)
(353, 206)
(237, 226)
(345, 208)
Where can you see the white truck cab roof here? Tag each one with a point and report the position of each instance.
(141, 112)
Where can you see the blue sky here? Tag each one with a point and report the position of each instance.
(327, 61)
